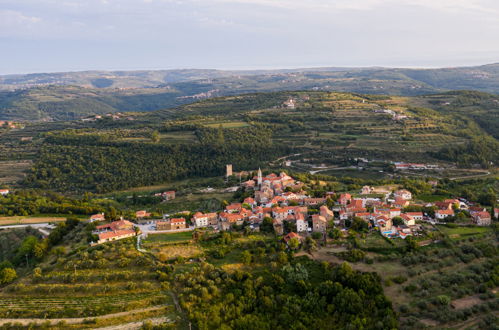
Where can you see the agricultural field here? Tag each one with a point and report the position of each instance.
(440, 285)
(12, 172)
(29, 220)
(89, 283)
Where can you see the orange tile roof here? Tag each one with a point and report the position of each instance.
(116, 233)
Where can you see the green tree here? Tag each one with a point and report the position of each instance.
(7, 275)
(246, 257)
(155, 137)
(294, 243)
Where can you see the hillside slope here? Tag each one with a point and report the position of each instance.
(100, 92)
(252, 130)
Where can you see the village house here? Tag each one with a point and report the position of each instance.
(115, 235)
(403, 193)
(4, 192)
(481, 218)
(115, 230)
(366, 216)
(97, 217)
(400, 202)
(169, 195)
(164, 225)
(250, 201)
(115, 225)
(142, 214)
(408, 220)
(444, 205)
(212, 219)
(178, 223)
(496, 213)
(278, 227)
(200, 220)
(418, 216)
(290, 236)
(344, 199)
(301, 223)
(442, 214)
(366, 190)
(314, 201)
(233, 208)
(319, 223)
(326, 213)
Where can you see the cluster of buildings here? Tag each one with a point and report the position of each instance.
(282, 201)
(113, 116)
(114, 231)
(166, 195)
(8, 124)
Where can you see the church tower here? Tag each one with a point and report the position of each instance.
(260, 178)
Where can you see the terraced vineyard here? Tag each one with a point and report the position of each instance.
(96, 281)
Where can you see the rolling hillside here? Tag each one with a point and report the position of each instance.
(251, 130)
(76, 95)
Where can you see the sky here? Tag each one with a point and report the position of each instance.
(70, 35)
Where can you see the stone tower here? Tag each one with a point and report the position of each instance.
(260, 178)
(228, 169)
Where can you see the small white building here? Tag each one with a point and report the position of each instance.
(4, 192)
(200, 220)
(442, 214)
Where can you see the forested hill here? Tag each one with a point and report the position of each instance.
(100, 92)
(255, 129)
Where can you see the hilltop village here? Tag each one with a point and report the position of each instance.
(280, 202)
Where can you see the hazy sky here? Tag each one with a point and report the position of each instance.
(69, 35)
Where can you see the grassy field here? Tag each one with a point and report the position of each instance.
(21, 220)
(461, 232)
(185, 236)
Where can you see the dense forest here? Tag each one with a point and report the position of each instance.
(70, 162)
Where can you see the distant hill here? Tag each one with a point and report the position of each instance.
(73, 95)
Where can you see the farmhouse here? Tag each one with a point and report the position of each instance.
(442, 214)
(404, 194)
(482, 218)
(109, 236)
(319, 223)
(97, 217)
(142, 214)
(301, 223)
(178, 223)
(115, 226)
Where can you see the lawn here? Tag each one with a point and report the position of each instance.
(464, 231)
(184, 236)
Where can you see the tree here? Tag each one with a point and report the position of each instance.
(334, 233)
(267, 225)
(246, 257)
(397, 221)
(155, 136)
(7, 275)
(310, 245)
(359, 225)
(294, 243)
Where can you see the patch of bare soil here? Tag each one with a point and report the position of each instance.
(466, 302)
